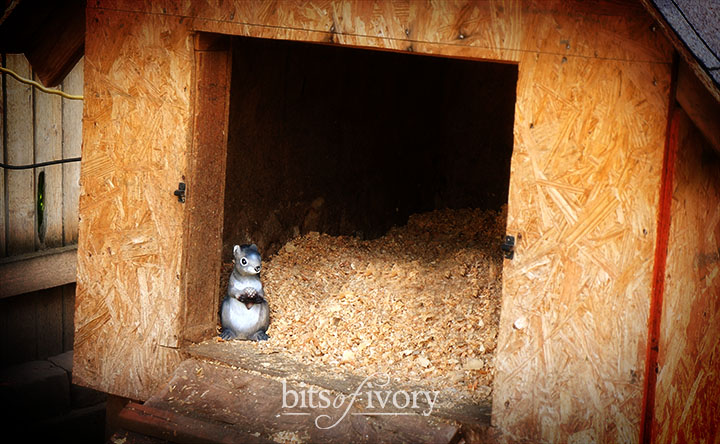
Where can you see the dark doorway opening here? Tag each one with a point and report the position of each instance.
(352, 141)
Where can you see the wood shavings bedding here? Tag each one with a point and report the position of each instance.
(421, 303)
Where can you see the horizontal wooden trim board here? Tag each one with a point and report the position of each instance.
(164, 424)
(37, 271)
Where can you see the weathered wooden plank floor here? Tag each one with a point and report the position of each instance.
(281, 365)
(227, 391)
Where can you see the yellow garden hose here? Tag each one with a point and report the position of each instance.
(39, 86)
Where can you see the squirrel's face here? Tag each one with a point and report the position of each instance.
(247, 259)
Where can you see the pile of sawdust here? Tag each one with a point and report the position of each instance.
(421, 303)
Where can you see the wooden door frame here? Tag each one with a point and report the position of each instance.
(205, 185)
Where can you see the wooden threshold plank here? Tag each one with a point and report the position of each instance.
(37, 271)
(246, 355)
(173, 427)
(262, 406)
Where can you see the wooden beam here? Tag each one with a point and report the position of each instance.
(206, 186)
(658, 282)
(699, 104)
(37, 271)
(164, 424)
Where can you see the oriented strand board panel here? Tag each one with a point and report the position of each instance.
(589, 135)
(589, 129)
(493, 30)
(583, 199)
(687, 403)
(136, 133)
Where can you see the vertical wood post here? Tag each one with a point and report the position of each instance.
(658, 279)
(206, 185)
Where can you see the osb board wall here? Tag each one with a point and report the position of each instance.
(688, 388)
(589, 129)
(38, 127)
(136, 135)
(589, 136)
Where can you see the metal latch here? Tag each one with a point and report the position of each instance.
(508, 247)
(180, 192)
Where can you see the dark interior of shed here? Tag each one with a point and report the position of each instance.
(344, 140)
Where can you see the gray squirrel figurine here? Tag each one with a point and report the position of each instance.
(244, 313)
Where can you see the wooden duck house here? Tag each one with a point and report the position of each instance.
(212, 123)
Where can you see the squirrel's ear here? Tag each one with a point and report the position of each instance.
(254, 246)
(236, 250)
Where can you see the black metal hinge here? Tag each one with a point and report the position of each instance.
(508, 247)
(180, 192)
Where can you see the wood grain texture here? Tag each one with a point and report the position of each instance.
(48, 139)
(589, 129)
(136, 134)
(476, 29)
(687, 393)
(37, 271)
(280, 365)
(72, 111)
(701, 107)
(170, 426)
(206, 187)
(583, 198)
(243, 401)
(19, 151)
(41, 127)
(662, 236)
